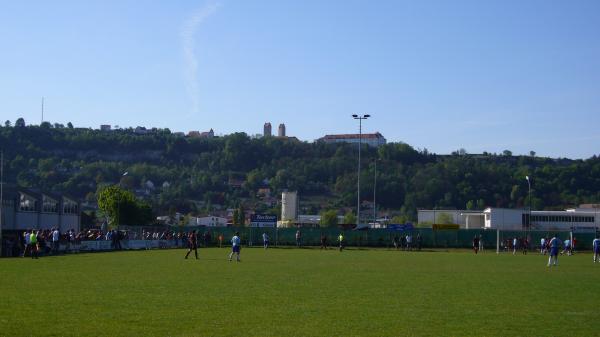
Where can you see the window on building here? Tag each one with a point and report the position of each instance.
(49, 205)
(27, 203)
(70, 207)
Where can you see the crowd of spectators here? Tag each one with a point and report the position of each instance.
(52, 241)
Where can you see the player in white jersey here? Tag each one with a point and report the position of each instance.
(543, 246)
(596, 249)
(235, 246)
(265, 238)
(567, 247)
(554, 247)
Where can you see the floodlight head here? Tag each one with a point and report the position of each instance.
(126, 173)
(527, 177)
(355, 116)
(367, 116)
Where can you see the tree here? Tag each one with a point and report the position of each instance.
(70, 125)
(329, 218)
(480, 204)
(349, 218)
(236, 217)
(20, 123)
(46, 125)
(507, 153)
(532, 153)
(114, 202)
(399, 219)
(241, 216)
(7, 124)
(122, 207)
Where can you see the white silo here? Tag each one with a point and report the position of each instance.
(289, 206)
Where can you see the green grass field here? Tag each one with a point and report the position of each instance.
(299, 292)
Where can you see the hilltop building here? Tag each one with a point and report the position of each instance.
(372, 139)
(198, 134)
(281, 132)
(267, 130)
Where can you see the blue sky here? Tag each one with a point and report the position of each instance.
(442, 75)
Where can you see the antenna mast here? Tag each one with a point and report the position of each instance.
(42, 109)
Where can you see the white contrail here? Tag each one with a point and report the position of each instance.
(188, 33)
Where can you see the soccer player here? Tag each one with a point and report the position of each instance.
(567, 247)
(476, 244)
(554, 247)
(192, 244)
(480, 243)
(265, 240)
(543, 246)
(323, 241)
(596, 249)
(221, 240)
(341, 241)
(235, 246)
(298, 238)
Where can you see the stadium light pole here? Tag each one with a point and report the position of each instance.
(375, 194)
(360, 119)
(1, 197)
(119, 202)
(529, 222)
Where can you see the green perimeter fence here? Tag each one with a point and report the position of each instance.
(462, 238)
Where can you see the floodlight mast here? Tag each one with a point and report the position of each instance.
(360, 119)
(1, 197)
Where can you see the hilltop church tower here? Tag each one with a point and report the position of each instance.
(267, 130)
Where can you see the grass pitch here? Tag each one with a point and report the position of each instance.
(299, 292)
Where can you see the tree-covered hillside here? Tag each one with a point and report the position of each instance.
(198, 174)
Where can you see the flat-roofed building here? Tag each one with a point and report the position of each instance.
(372, 139)
(577, 219)
(24, 209)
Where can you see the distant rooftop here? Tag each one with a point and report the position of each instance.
(375, 135)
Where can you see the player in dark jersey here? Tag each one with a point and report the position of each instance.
(323, 241)
(192, 244)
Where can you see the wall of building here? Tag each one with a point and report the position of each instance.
(70, 221)
(26, 220)
(504, 218)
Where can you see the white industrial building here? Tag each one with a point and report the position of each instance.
(466, 219)
(289, 208)
(581, 219)
(208, 221)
